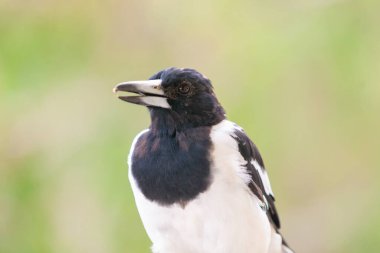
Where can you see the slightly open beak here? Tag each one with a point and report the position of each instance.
(150, 91)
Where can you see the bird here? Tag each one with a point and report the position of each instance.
(199, 182)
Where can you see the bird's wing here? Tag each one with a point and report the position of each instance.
(259, 183)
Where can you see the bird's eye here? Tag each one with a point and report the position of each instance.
(184, 88)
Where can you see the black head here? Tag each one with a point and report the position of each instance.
(177, 99)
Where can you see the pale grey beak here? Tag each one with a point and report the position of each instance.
(150, 91)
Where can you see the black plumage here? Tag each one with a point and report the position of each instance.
(173, 161)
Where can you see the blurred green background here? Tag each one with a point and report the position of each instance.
(302, 78)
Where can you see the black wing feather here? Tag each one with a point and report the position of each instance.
(250, 152)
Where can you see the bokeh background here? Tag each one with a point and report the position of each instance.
(302, 78)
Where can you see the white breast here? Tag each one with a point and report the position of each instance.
(226, 218)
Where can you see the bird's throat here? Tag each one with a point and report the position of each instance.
(166, 121)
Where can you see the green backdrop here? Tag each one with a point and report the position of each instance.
(302, 78)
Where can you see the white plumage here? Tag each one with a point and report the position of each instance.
(199, 182)
(226, 218)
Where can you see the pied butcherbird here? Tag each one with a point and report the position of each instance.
(199, 182)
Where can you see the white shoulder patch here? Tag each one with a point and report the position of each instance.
(225, 126)
(264, 177)
(226, 150)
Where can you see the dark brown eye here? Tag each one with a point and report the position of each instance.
(184, 88)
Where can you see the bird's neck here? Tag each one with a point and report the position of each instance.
(164, 121)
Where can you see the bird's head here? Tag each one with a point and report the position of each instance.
(176, 98)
